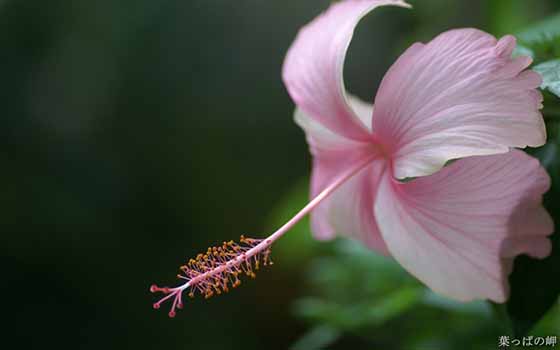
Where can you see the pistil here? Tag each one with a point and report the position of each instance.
(215, 271)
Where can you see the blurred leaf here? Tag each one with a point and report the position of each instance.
(521, 50)
(358, 288)
(550, 324)
(542, 40)
(359, 293)
(535, 285)
(544, 31)
(479, 308)
(505, 16)
(550, 72)
(359, 314)
(317, 338)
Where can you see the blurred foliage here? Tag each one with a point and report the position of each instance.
(542, 40)
(550, 71)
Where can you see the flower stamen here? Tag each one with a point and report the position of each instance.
(220, 267)
(215, 271)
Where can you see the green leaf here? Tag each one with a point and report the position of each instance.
(542, 40)
(535, 285)
(361, 313)
(550, 72)
(544, 31)
(521, 50)
(357, 288)
(477, 308)
(317, 338)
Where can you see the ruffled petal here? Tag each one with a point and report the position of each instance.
(459, 95)
(347, 211)
(459, 229)
(313, 67)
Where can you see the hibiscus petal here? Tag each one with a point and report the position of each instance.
(313, 67)
(458, 230)
(459, 95)
(348, 210)
(325, 143)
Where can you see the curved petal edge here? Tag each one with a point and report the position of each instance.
(457, 96)
(459, 229)
(313, 68)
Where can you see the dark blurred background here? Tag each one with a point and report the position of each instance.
(137, 133)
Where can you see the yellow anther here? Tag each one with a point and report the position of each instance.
(218, 270)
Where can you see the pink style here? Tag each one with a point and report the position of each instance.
(457, 227)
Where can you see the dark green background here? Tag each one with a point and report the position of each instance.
(136, 133)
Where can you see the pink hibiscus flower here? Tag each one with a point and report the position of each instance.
(459, 97)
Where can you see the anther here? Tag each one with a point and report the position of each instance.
(216, 271)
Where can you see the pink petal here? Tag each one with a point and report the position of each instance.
(322, 141)
(458, 230)
(459, 95)
(349, 209)
(313, 67)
